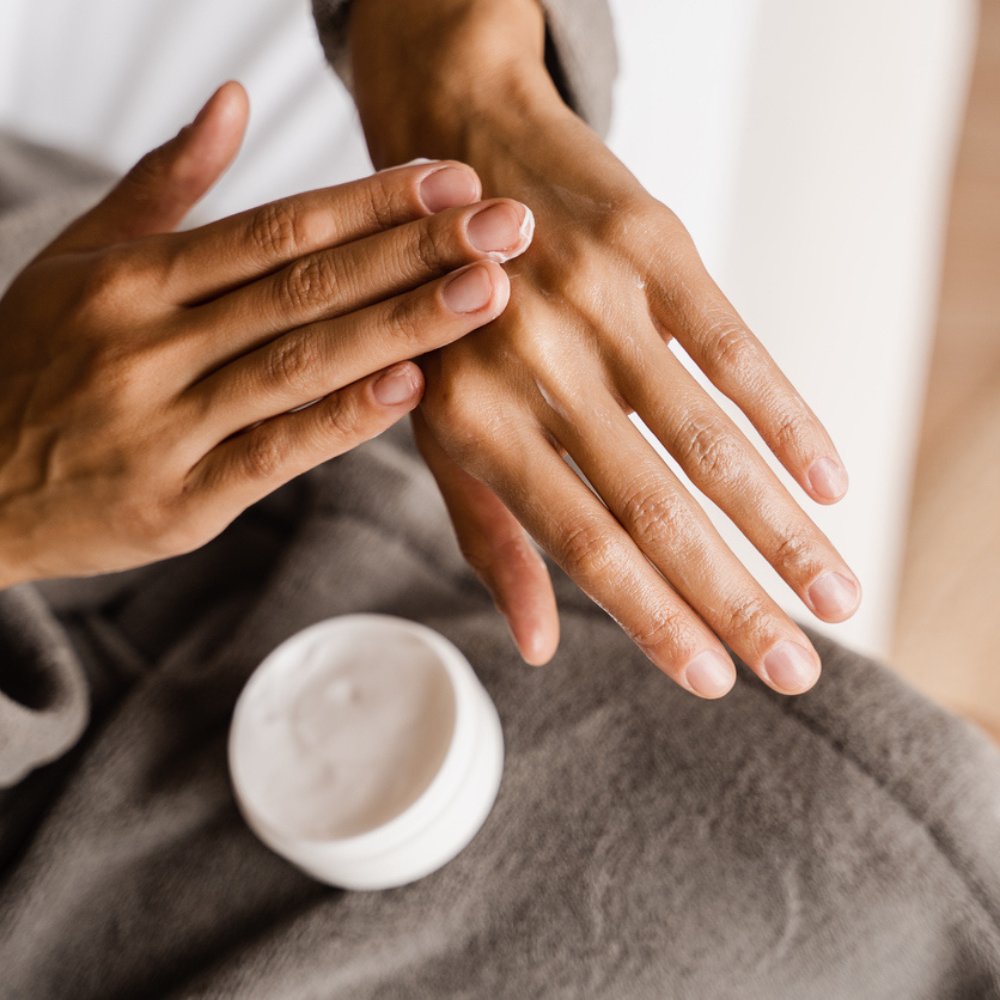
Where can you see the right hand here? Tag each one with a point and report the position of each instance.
(154, 384)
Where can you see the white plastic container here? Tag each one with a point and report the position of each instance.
(365, 751)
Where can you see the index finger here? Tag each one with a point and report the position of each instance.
(691, 306)
(212, 259)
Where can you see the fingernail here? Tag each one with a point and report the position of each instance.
(710, 674)
(449, 187)
(833, 595)
(828, 478)
(497, 228)
(469, 290)
(791, 668)
(395, 386)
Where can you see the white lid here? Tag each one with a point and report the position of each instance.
(365, 750)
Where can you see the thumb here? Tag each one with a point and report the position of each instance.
(156, 194)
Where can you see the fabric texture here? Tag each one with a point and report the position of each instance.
(842, 844)
(43, 696)
(581, 51)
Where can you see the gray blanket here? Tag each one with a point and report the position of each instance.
(844, 844)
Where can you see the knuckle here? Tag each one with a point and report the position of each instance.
(744, 616)
(262, 457)
(708, 452)
(662, 629)
(794, 553)
(106, 281)
(339, 416)
(308, 283)
(625, 221)
(790, 428)
(120, 376)
(148, 173)
(651, 514)
(589, 554)
(458, 421)
(735, 351)
(274, 230)
(379, 199)
(429, 248)
(407, 323)
(291, 363)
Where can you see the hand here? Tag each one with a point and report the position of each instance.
(611, 278)
(154, 384)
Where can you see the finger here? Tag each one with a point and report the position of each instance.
(499, 551)
(313, 361)
(338, 281)
(676, 535)
(245, 468)
(156, 194)
(723, 464)
(582, 535)
(692, 308)
(222, 255)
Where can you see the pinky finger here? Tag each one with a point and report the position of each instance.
(245, 468)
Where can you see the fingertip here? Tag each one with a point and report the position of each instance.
(230, 96)
(211, 142)
(399, 387)
(234, 100)
(477, 287)
(537, 644)
(833, 596)
(450, 184)
(710, 675)
(828, 481)
(791, 668)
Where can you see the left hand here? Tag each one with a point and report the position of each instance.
(611, 277)
(153, 384)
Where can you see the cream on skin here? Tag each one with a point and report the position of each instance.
(350, 739)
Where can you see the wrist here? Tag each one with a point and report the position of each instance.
(435, 78)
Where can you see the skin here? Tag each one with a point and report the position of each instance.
(612, 278)
(154, 384)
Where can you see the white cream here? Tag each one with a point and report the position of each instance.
(348, 738)
(525, 235)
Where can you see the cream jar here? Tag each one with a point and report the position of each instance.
(365, 750)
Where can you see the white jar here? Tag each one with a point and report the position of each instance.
(365, 750)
